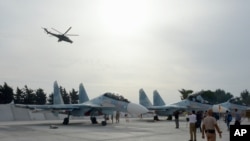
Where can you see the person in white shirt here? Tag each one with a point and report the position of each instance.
(237, 117)
(192, 127)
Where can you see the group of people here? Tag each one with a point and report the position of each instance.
(117, 117)
(229, 117)
(207, 123)
(194, 120)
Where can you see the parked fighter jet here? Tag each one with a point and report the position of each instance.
(193, 102)
(230, 105)
(159, 108)
(105, 104)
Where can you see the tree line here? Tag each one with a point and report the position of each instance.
(26, 95)
(219, 96)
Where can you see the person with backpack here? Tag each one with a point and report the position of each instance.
(198, 120)
(228, 119)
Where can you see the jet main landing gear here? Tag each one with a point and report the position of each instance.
(66, 120)
(104, 123)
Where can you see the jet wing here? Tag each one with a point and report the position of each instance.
(48, 107)
(70, 107)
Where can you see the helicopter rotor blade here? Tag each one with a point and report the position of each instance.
(71, 35)
(67, 31)
(57, 30)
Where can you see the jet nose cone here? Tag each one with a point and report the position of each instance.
(136, 109)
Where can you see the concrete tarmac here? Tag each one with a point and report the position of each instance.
(82, 130)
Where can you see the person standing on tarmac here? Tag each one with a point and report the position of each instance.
(199, 119)
(192, 127)
(209, 126)
(126, 117)
(176, 118)
(112, 118)
(228, 119)
(117, 116)
(237, 117)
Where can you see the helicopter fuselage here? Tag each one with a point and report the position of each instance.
(61, 37)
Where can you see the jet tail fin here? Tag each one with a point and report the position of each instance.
(158, 101)
(83, 97)
(143, 99)
(57, 97)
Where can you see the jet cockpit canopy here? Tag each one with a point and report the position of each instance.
(116, 97)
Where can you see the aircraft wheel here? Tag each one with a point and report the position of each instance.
(169, 117)
(156, 118)
(66, 121)
(104, 123)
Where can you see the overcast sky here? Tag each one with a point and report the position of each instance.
(125, 45)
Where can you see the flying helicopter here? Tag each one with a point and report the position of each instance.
(61, 36)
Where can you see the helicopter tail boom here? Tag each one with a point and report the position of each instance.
(46, 30)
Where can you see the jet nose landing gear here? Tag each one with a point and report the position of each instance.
(66, 121)
(93, 120)
(104, 123)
